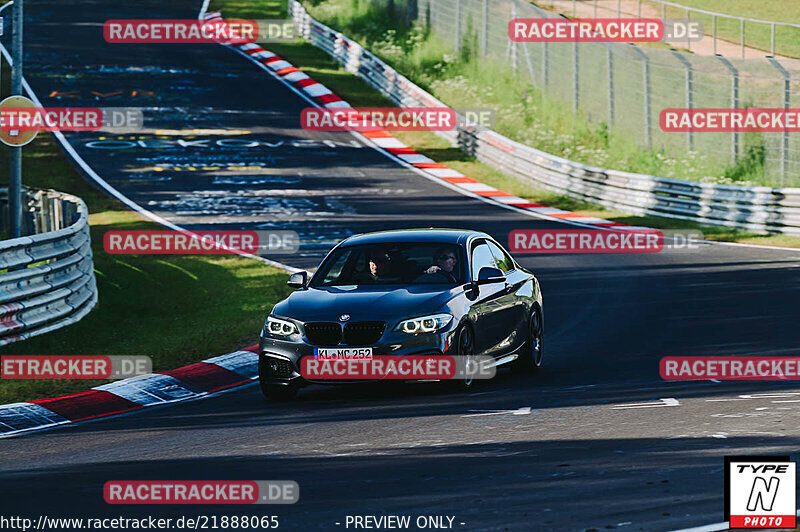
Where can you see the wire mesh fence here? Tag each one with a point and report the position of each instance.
(626, 87)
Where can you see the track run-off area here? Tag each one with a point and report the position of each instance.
(595, 440)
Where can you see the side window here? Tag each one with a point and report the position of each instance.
(481, 257)
(501, 258)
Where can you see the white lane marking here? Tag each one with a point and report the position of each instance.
(669, 401)
(524, 410)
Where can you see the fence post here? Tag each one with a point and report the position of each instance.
(545, 60)
(458, 25)
(772, 39)
(576, 81)
(619, 8)
(787, 92)
(688, 40)
(648, 129)
(574, 8)
(714, 31)
(595, 8)
(514, 53)
(15, 177)
(610, 56)
(485, 44)
(734, 104)
(528, 61)
(741, 29)
(640, 9)
(689, 94)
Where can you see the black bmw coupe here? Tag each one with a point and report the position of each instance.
(406, 292)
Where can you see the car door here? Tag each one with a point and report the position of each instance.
(511, 310)
(488, 330)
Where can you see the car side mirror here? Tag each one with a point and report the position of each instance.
(488, 275)
(298, 280)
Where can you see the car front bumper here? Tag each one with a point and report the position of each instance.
(279, 360)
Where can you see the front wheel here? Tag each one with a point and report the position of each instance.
(465, 347)
(532, 353)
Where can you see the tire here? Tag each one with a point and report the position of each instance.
(276, 392)
(532, 353)
(279, 392)
(465, 343)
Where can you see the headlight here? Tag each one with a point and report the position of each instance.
(425, 324)
(278, 327)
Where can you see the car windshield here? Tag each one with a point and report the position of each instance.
(395, 263)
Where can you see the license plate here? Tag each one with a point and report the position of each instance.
(348, 353)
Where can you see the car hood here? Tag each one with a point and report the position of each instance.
(365, 303)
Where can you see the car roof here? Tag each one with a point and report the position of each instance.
(444, 236)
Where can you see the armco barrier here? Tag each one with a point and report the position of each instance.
(47, 278)
(758, 209)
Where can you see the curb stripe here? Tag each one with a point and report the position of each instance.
(87, 405)
(207, 377)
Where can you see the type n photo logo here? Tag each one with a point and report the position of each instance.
(760, 492)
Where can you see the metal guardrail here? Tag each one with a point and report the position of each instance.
(47, 278)
(759, 209)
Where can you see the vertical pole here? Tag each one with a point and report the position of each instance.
(734, 104)
(714, 31)
(576, 81)
(640, 9)
(648, 129)
(574, 8)
(741, 29)
(458, 25)
(787, 92)
(485, 45)
(595, 8)
(545, 61)
(619, 8)
(15, 181)
(772, 39)
(514, 53)
(688, 40)
(689, 87)
(664, 13)
(528, 61)
(610, 56)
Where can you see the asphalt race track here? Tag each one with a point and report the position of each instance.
(556, 451)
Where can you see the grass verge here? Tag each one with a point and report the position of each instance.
(323, 69)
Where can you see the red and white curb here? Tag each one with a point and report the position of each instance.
(324, 97)
(202, 379)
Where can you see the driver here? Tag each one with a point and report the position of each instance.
(445, 261)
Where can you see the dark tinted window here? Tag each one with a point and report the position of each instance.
(501, 258)
(481, 258)
(396, 263)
